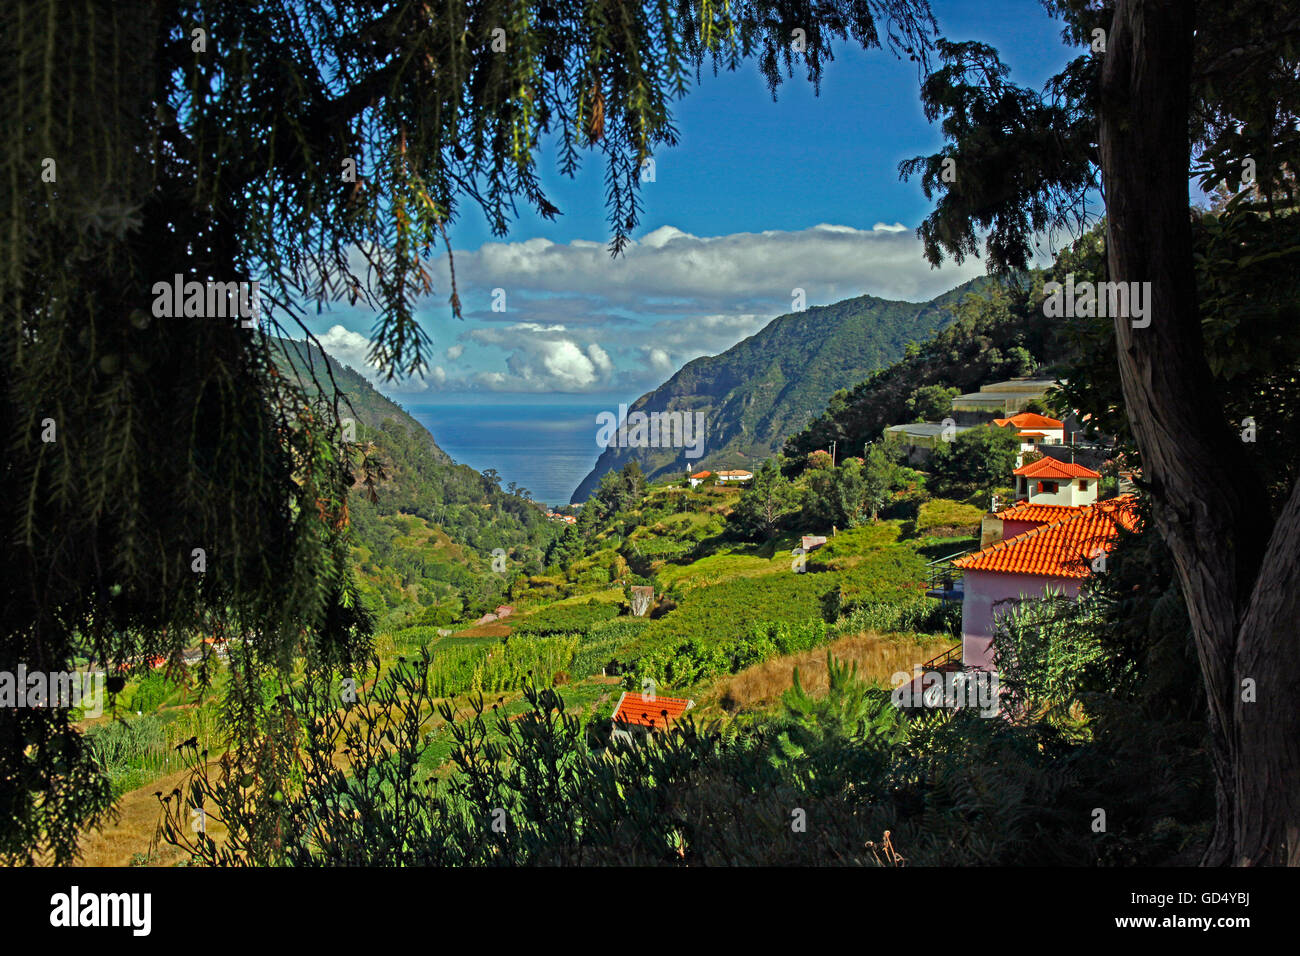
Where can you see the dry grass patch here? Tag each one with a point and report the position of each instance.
(122, 841)
(483, 630)
(878, 657)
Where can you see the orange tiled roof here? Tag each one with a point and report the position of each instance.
(1050, 469)
(1063, 549)
(701, 474)
(1043, 514)
(645, 711)
(1029, 420)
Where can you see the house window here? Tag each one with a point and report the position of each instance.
(1083, 484)
(1047, 487)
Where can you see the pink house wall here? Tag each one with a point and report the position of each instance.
(981, 606)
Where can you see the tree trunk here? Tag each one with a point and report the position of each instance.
(1209, 506)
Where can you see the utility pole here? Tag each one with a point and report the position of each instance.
(833, 444)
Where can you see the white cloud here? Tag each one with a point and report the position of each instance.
(351, 348)
(579, 321)
(544, 358)
(600, 359)
(717, 273)
(659, 360)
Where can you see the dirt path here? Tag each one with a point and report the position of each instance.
(128, 839)
(116, 843)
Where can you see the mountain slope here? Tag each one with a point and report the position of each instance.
(765, 388)
(996, 335)
(428, 541)
(369, 407)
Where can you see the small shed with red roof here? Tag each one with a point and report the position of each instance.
(638, 715)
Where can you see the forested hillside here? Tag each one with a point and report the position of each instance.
(766, 387)
(996, 334)
(424, 546)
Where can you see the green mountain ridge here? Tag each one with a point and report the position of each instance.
(770, 385)
(370, 407)
(428, 541)
(997, 334)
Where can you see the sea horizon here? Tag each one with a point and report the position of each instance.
(547, 449)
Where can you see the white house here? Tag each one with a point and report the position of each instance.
(698, 478)
(1057, 553)
(1034, 429)
(734, 476)
(1051, 482)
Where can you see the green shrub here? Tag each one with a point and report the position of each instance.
(601, 644)
(693, 661)
(503, 666)
(567, 618)
(409, 638)
(944, 513)
(153, 690)
(920, 616)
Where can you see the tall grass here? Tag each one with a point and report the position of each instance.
(920, 616)
(505, 666)
(138, 751)
(878, 658)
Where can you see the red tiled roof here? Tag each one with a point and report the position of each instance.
(701, 474)
(1033, 434)
(1050, 468)
(646, 711)
(1043, 514)
(1063, 549)
(1029, 420)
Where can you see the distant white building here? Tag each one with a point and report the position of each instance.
(921, 434)
(1033, 429)
(735, 476)
(1003, 398)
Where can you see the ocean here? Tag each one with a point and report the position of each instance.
(547, 449)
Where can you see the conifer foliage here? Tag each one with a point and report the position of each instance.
(164, 478)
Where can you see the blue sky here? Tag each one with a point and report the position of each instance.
(757, 199)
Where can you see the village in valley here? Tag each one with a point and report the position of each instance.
(1046, 538)
(496, 434)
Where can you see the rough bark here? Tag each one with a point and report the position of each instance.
(1267, 769)
(1209, 506)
